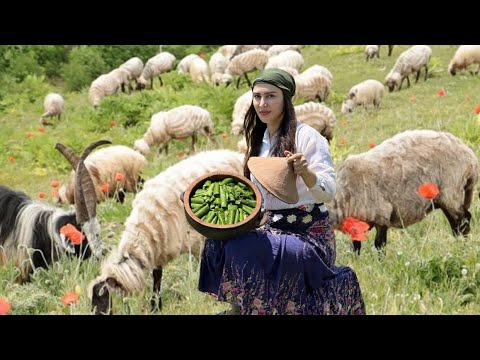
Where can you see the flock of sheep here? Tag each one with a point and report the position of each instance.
(156, 230)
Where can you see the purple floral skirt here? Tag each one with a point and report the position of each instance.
(285, 267)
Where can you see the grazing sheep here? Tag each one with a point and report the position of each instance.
(155, 66)
(53, 106)
(183, 66)
(380, 186)
(290, 58)
(123, 77)
(465, 56)
(218, 64)
(371, 51)
(30, 231)
(199, 70)
(135, 68)
(177, 123)
(368, 92)
(243, 64)
(157, 230)
(228, 51)
(312, 85)
(410, 61)
(277, 49)
(103, 166)
(242, 104)
(318, 116)
(320, 70)
(102, 86)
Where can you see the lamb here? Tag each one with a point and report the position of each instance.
(465, 56)
(240, 110)
(368, 92)
(31, 231)
(177, 123)
(244, 63)
(380, 186)
(410, 61)
(135, 67)
(157, 230)
(53, 106)
(318, 116)
(155, 66)
(288, 58)
(103, 166)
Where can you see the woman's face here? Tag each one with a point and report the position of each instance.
(268, 103)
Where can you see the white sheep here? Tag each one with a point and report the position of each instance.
(371, 51)
(135, 67)
(318, 116)
(320, 70)
(368, 92)
(183, 66)
(243, 64)
(155, 66)
(123, 77)
(157, 231)
(381, 185)
(410, 61)
(198, 70)
(228, 51)
(177, 123)
(218, 64)
(53, 106)
(465, 56)
(102, 86)
(290, 58)
(240, 110)
(312, 85)
(104, 166)
(277, 49)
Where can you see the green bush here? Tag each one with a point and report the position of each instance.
(85, 64)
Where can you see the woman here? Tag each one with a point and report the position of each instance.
(287, 265)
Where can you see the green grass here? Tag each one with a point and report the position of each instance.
(425, 270)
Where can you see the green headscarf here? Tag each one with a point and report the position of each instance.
(278, 78)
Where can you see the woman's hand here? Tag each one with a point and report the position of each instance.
(300, 165)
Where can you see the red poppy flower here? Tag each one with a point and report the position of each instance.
(70, 298)
(11, 159)
(342, 141)
(41, 129)
(112, 123)
(357, 229)
(54, 194)
(224, 135)
(104, 188)
(202, 56)
(477, 109)
(371, 145)
(28, 134)
(55, 183)
(441, 93)
(182, 154)
(344, 123)
(119, 177)
(5, 306)
(42, 195)
(428, 190)
(72, 233)
(413, 98)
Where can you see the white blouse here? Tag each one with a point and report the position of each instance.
(315, 149)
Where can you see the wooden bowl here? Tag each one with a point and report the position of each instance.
(223, 232)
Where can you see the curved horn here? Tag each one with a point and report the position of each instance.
(85, 197)
(92, 146)
(69, 154)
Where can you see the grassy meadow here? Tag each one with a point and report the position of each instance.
(425, 269)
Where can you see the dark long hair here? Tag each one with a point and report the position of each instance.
(254, 130)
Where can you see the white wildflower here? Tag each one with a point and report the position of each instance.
(464, 272)
(291, 218)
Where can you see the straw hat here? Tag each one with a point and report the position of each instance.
(275, 175)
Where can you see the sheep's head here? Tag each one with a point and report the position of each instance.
(85, 197)
(101, 298)
(142, 147)
(347, 106)
(452, 68)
